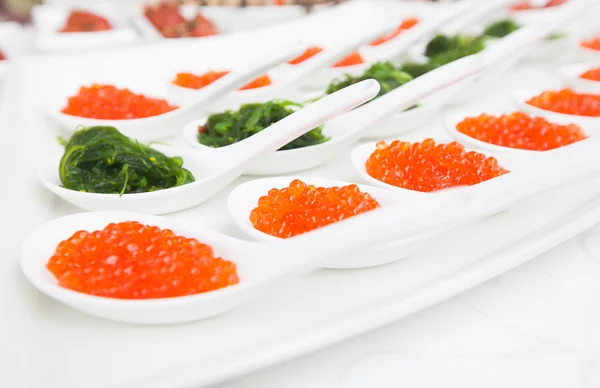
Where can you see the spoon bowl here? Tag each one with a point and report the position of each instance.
(591, 124)
(571, 74)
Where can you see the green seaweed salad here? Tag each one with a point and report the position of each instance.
(223, 129)
(440, 50)
(103, 160)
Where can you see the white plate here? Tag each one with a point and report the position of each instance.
(591, 124)
(48, 19)
(313, 312)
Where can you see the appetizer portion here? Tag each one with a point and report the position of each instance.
(130, 260)
(300, 208)
(428, 167)
(592, 74)
(521, 131)
(591, 43)
(168, 20)
(388, 76)
(501, 28)
(351, 60)
(226, 128)
(192, 81)
(102, 160)
(107, 102)
(307, 54)
(529, 5)
(84, 21)
(405, 25)
(568, 102)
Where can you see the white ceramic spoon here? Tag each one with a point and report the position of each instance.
(475, 16)
(260, 266)
(571, 74)
(591, 124)
(170, 123)
(212, 171)
(346, 129)
(453, 120)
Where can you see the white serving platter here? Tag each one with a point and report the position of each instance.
(48, 19)
(47, 344)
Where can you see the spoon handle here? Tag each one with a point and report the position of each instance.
(544, 172)
(411, 92)
(238, 78)
(300, 122)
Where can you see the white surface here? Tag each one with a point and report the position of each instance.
(15, 41)
(52, 346)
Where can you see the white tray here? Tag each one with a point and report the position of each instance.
(47, 344)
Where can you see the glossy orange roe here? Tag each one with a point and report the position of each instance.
(592, 43)
(300, 208)
(260, 82)
(518, 130)
(128, 260)
(592, 74)
(429, 167)
(526, 5)
(568, 102)
(110, 103)
(405, 25)
(308, 53)
(192, 81)
(353, 59)
(83, 21)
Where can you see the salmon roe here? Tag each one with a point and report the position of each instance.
(526, 5)
(592, 74)
(308, 53)
(518, 130)
(2, 56)
(567, 101)
(405, 25)
(83, 21)
(428, 167)
(111, 103)
(129, 260)
(192, 81)
(592, 43)
(300, 208)
(353, 59)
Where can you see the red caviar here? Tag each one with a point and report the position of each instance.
(592, 43)
(83, 21)
(111, 103)
(353, 59)
(429, 167)
(519, 130)
(192, 81)
(308, 53)
(567, 101)
(405, 25)
(592, 74)
(526, 5)
(128, 260)
(2, 56)
(300, 208)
